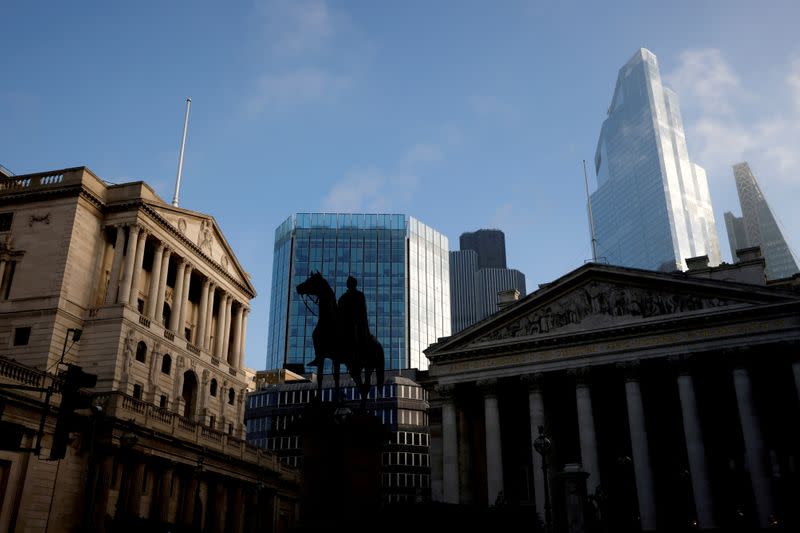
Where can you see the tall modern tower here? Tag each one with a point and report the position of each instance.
(477, 273)
(652, 207)
(401, 266)
(758, 227)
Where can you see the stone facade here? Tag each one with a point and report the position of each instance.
(675, 393)
(162, 305)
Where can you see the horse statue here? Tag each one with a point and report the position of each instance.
(338, 336)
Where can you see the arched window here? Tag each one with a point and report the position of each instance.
(231, 395)
(141, 352)
(213, 390)
(166, 364)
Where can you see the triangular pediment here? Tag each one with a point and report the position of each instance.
(600, 297)
(202, 231)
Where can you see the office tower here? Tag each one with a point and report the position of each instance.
(489, 244)
(401, 266)
(476, 277)
(758, 227)
(652, 207)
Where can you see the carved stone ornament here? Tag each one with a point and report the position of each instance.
(182, 225)
(598, 304)
(489, 387)
(205, 238)
(223, 261)
(44, 219)
(533, 381)
(128, 352)
(445, 391)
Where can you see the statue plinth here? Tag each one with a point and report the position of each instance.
(342, 452)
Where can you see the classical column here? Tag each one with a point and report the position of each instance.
(220, 507)
(586, 429)
(536, 410)
(134, 502)
(237, 336)
(237, 514)
(155, 280)
(210, 317)
(641, 456)
(162, 504)
(158, 312)
(136, 273)
(99, 504)
(494, 449)
(449, 443)
(113, 282)
(130, 256)
(220, 325)
(199, 341)
(177, 296)
(695, 449)
(753, 445)
(2, 269)
(187, 279)
(243, 336)
(226, 332)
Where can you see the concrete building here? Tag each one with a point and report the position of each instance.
(162, 305)
(477, 274)
(274, 411)
(652, 207)
(758, 226)
(677, 393)
(401, 266)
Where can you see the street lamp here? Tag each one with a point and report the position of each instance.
(543, 445)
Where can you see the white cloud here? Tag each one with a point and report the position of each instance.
(286, 90)
(299, 26)
(370, 190)
(423, 153)
(726, 123)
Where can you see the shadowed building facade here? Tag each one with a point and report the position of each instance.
(162, 304)
(652, 208)
(677, 393)
(758, 226)
(400, 264)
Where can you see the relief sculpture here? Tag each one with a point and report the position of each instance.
(595, 302)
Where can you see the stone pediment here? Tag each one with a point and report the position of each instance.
(600, 304)
(202, 231)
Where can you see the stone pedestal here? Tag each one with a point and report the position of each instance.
(570, 500)
(341, 468)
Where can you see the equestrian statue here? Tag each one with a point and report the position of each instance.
(342, 335)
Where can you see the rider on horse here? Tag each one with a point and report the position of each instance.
(353, 326)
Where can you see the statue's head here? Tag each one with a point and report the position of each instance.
(351, 282)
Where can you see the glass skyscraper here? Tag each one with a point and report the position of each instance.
(758, 227)
(401, 266)
(652, 207)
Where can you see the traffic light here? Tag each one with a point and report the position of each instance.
(71, 399)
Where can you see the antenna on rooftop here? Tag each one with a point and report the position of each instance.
(589, 208)
(180, 159)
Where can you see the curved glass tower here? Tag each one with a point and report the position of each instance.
(652, 207)
(401, 266)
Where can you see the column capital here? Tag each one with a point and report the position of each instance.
(630, 369)
(533, 381)
(445, 391)
(582, 375)
(682, 364)
(736, 356)
(488, 387)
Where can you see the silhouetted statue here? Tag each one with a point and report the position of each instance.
(342, 335)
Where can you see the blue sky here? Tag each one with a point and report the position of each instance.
(462, 114)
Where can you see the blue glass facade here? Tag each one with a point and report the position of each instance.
(652, 207)
(400, 264)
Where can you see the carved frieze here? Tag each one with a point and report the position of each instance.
(44, 219)
(205, 238)
(598, 304)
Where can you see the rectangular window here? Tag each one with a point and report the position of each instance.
(5, 283)
(137, 391)
(22, 336)
(5, 221)
(163, 402)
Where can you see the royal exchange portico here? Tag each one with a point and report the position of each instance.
(676, 393)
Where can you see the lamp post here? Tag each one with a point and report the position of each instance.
(543, 445)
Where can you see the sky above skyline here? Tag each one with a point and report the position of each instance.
(462, 114)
